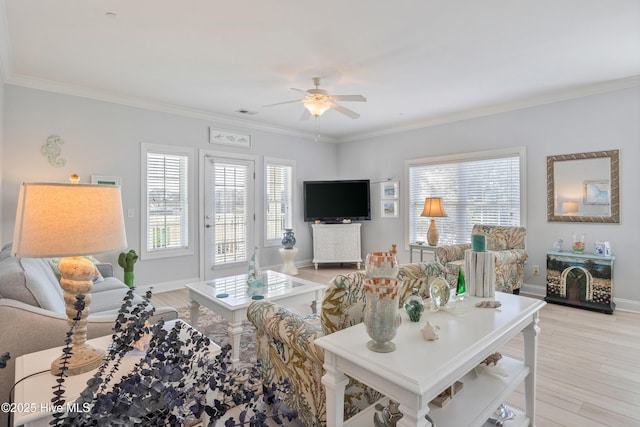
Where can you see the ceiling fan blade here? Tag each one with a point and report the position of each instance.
(280, 103)
(347, 112)
(353, 98)
(298, 90)
(305, 115)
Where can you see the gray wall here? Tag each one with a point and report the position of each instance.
(595, 123)
(102, 138)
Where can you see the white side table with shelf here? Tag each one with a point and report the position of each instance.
(336, 243)
(418, 370)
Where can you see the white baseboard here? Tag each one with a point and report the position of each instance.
(627, 305)
(534, 290)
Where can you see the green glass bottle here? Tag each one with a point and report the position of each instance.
(462, 287)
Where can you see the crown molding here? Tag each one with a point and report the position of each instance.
(228, 122)
(504, 107)
(242, 124)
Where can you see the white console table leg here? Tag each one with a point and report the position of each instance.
(530, 334)
(412, 419)
(335, 383)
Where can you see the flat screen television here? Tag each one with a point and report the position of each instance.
(336, 201)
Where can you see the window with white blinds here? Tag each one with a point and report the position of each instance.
(166, 211)
(231, 212)
(478, 188)
(279, 175)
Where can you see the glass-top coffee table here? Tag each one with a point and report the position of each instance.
(230, 297)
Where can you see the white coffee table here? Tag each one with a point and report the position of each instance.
(230, 297)
(418, 370)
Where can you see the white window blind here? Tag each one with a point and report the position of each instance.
(279, 195)
(167, 202)
(473, 191)
(230, 184)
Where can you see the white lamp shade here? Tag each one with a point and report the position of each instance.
(61, 220)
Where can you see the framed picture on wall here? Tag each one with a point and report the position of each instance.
(226, 137)
(389, 190)
(389, 209)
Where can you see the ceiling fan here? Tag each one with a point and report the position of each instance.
(316, 101)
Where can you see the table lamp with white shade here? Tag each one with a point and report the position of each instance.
(71, 221)
(433, 208)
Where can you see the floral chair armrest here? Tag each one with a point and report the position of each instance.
(294, 331)
(446, 254)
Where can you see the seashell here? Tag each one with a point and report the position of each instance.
(430, 332)
(489, 304)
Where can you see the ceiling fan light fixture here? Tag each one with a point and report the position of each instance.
(317, 107)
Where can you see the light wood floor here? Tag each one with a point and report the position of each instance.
(588, 363)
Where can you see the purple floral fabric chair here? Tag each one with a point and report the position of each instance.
(508, 245)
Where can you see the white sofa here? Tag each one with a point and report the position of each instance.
(32, 310)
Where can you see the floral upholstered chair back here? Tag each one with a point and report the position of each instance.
(344, 301)
(508, 245)
(500, 238)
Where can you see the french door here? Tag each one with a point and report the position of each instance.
(229, 215)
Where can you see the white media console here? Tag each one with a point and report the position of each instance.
(336, 243)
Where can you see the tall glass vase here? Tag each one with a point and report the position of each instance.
(381, 316)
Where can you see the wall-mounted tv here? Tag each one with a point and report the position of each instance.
(336, 201)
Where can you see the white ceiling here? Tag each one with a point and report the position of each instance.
(417, 62)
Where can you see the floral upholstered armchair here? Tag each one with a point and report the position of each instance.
(508, 245)
(285, 341)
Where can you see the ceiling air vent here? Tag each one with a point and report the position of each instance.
(245, 111)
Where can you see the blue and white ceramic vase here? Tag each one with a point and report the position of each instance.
(289, 240)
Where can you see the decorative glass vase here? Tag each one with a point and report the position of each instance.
(557, 246)
(578, 243)
(414, 306)
(461, 288)
(381, 265)
(381, 317)
(439, 293)
(289, 239)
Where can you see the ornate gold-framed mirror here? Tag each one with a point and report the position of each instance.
(584, 187)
